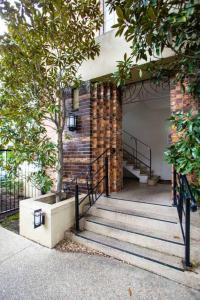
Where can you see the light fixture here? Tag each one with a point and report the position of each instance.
(39, 218)
(72, 122)
(66, 187)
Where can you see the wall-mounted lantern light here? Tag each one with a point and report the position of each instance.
(72, 122)
(66, 187)
(39, 218)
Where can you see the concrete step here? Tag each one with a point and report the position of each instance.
(143, 178)
(133, 234)
(164, 210)
(144, 220)
(154, 261)
(132, 169)
(153, 180)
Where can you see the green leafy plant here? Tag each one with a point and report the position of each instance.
(150, 27)
(42, 181)
(184, 153)
(40, 56)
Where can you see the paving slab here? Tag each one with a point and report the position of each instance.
(29, 271)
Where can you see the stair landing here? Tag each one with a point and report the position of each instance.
(158, 194)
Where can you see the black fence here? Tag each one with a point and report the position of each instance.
(14, 185)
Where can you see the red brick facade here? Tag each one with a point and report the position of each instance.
(107, 129)
(77, 144)
(99, 128)
(181, 102)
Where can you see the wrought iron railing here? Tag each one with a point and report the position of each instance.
(137, 151)
(185, 203)
(97, 180)
(14, 184)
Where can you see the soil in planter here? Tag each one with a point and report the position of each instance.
(11, 223)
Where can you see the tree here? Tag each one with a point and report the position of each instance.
(153, 25)
(40, 55)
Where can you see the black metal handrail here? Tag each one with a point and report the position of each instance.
(185, 202)
(97, 185)
(143, 156)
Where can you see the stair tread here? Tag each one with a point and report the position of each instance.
(133, 249)
(161, 210)
(136, 230)
(139, 201)
(135, 212)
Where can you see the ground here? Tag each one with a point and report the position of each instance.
(11, 222)
(29, 271)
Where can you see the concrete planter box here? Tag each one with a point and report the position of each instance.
(59, 217)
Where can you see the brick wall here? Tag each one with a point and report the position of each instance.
(180, 102)
(107, 129)
(99, 128)
(77, 148)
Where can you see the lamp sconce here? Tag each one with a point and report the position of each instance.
(66, 187)
(72, 122)
(39, 218)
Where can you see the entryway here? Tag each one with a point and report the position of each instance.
(146, 108)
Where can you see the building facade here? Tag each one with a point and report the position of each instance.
(105, 112)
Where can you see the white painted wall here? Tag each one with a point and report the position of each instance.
(147, 120)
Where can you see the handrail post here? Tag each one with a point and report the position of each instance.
(187, 233)
(77, 207)
(106, 177)
(136, 155)
(91, 182)
(180, 204)
(174, 187)
(150, 162)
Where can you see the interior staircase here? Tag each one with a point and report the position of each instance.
(137, 159)
(146, 235)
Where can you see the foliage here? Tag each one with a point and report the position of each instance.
(151, 26)
(42, 181)
(40, 55)
(184, 154)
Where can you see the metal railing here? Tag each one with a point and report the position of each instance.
(137, 151)
(97, 179)
(185, 202)
(14, 184)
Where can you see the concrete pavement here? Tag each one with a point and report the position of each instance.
(29, 271)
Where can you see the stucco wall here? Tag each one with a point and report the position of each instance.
(147, 120)
(112, 50)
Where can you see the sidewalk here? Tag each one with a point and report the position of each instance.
(29, 271)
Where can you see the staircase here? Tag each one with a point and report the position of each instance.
(145, 235)
(137, 159)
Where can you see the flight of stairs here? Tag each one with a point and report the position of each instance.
(146, 235)
(143, 177)
(140, 172)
